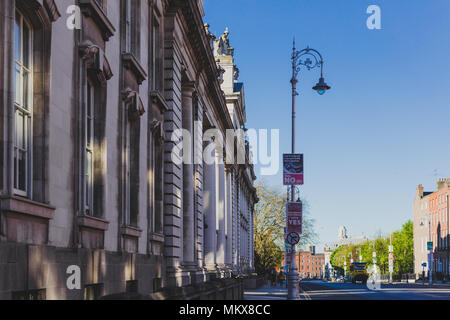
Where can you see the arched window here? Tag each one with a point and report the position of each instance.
(23, 106)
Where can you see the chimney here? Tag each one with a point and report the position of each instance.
(419, 191)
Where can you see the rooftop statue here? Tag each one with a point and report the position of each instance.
(223, 47)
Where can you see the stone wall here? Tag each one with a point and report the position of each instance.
(27, 268)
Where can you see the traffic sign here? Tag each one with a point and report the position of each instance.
(430, 245)
(424, 264)
(293, 238)
(292, 169)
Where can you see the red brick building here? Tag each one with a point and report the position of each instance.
(310, 264)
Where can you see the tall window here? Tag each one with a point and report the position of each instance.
(132, 172)
(23, 106)
(156, 52)
(128, 28)
(89, 189)
(132, 12)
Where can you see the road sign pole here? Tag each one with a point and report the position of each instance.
(391, 260)
(430, 247)
(292, 279)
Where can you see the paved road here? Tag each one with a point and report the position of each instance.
(320, 290)
(266, 293)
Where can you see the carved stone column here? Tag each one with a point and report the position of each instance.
(209, 209)
(229, 218)
(220, 202)
(188, 89)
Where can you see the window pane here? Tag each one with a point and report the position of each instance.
(16, 178)
(17, 38)
(18, 87)
(26, 90)
(20, 128)
(89, 100)
(22, 170)
(88, 178)
(26, 46)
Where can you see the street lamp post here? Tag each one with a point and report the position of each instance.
(430, 263)
(390, 263)
(313, 59)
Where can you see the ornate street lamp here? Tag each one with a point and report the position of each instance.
(311, 59)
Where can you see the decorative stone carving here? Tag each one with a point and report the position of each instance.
(221, 72)
(158, 130)
(223, 44)
(107, 69)
(211, 37)
(133, 103)
(96, 62)
(236, 73)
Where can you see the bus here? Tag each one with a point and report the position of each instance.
(358, 272)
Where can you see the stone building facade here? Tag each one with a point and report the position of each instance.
(91, 175)
(431, 223)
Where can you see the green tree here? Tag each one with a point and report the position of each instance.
(402, 242)
(269, 223)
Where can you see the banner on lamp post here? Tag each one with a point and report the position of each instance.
(294, 216)
(292, 169)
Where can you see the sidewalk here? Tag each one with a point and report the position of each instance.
(266, 292)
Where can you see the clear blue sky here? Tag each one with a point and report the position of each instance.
(385, 125)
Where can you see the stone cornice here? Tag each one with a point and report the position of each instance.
(52, 10)
(203, 52)
(90, 8)
(131, 63)
(159, 100)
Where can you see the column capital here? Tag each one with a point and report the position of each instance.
(188, 88)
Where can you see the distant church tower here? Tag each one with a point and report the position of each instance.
(342, 233)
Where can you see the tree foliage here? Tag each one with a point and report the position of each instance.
(269, 223)
(402, 242)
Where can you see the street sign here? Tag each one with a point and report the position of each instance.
(430, 245)
(292, 169)
(294, 214)
(293, 238)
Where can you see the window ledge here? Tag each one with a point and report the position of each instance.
(93, 223)
(25, 206)
(90, 8)
(131, 63)
(158, 99)
(130, 231)
(156, 237)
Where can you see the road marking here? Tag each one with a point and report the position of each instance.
(305, 294)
